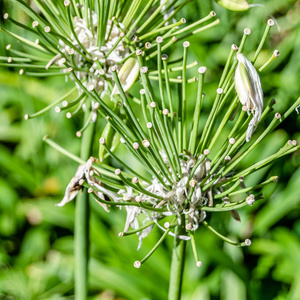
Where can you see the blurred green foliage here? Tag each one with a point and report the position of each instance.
(36, 238)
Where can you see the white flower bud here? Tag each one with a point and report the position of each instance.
(127, 75)
(234, 5)
(248, 88)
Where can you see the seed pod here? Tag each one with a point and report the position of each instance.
(248, 88)
(234, 5)
(127, 75)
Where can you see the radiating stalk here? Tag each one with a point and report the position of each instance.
(183, 114)
(267, 30)
(194, 133)
(151, 18)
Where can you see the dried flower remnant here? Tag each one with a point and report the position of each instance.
(86, 173)
(249, 90)
(189, 175)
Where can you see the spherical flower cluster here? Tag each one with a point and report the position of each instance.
(93, 67)
(191, 174)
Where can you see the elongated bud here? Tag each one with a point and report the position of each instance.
(107, 135)
(111, 138)
(127, 75)
(234, 5)
(248, 88)
(115, 142)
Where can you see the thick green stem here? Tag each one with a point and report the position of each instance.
(177, 266)
(81, 235)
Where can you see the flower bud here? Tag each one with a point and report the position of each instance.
(112, 140)
(127, 75)
(248, 87)
(107, 135)
(234, 5)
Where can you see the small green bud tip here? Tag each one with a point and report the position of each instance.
(231, 141)
(188, 226)
(35, 24)
(199, 264)
(247, 242)
(135, 180)
(186, 44)
(193, 183)
(202, 70)
(164, 57)
(165, 111)
(247, 31)
(146, 143)
(64, 103)
(144, 70)
(220, 91)
(234, 5)
(250, 200)
(159, 39)
(278, 116)
(276, 53)
(206, 152)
